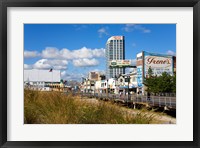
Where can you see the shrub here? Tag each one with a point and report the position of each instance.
(57, 108)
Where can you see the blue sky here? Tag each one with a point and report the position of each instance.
(76, 49)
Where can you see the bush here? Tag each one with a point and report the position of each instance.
(160, 84)
(57, 108)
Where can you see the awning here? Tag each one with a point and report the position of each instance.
(126, 87)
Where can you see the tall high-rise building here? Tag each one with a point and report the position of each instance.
(114, 51)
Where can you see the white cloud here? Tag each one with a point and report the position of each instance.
(47, 64)
(63, 73)
(57, 62)
(98, 52)
(133, 62)
(26, 66)
(85, 62)
(129, 27)
(132, 27)
(30, 54)
(83, 52)
(98, 70)
(103, 31)
(58, 59)
(146, 31)
(80, 27)
(71, 76)
(41, 64)
(133, 44)
(170, 52)
(50, 52)
(59, 67)
(129, 70)
(65, 53)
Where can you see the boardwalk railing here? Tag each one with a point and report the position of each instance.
(154, 101)
(160, 101)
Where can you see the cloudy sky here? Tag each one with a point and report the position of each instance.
(76, 49)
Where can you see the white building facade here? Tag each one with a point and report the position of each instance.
(41, 79)
(159, 63)
(115, 50)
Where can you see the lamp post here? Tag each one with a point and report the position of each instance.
(128, 79)
(107, 89)
(87, 85)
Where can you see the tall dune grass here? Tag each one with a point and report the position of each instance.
(57, 108)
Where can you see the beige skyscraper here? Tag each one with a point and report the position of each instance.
(114, 51)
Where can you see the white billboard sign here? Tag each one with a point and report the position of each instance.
(158, 64)
(155, 61)
(120, 63)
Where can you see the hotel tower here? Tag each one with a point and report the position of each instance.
(114, 51)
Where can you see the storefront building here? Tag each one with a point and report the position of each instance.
(159, 63)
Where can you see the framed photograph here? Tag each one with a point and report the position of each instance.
(104, 73)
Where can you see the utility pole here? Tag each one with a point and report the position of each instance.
(107, 89)
(128, 79)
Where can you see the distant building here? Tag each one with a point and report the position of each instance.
(159, 63)
(94, 76)
(115, 50)
(42, 79)
(102, 86)
(124, 86)
(93, 84)
(88, 86)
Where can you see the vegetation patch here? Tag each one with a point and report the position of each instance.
(57, 108)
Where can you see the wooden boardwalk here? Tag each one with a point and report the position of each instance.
(166, 102)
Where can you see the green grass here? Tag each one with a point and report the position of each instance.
(57, 108)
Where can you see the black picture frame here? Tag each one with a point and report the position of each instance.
(4, 4)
